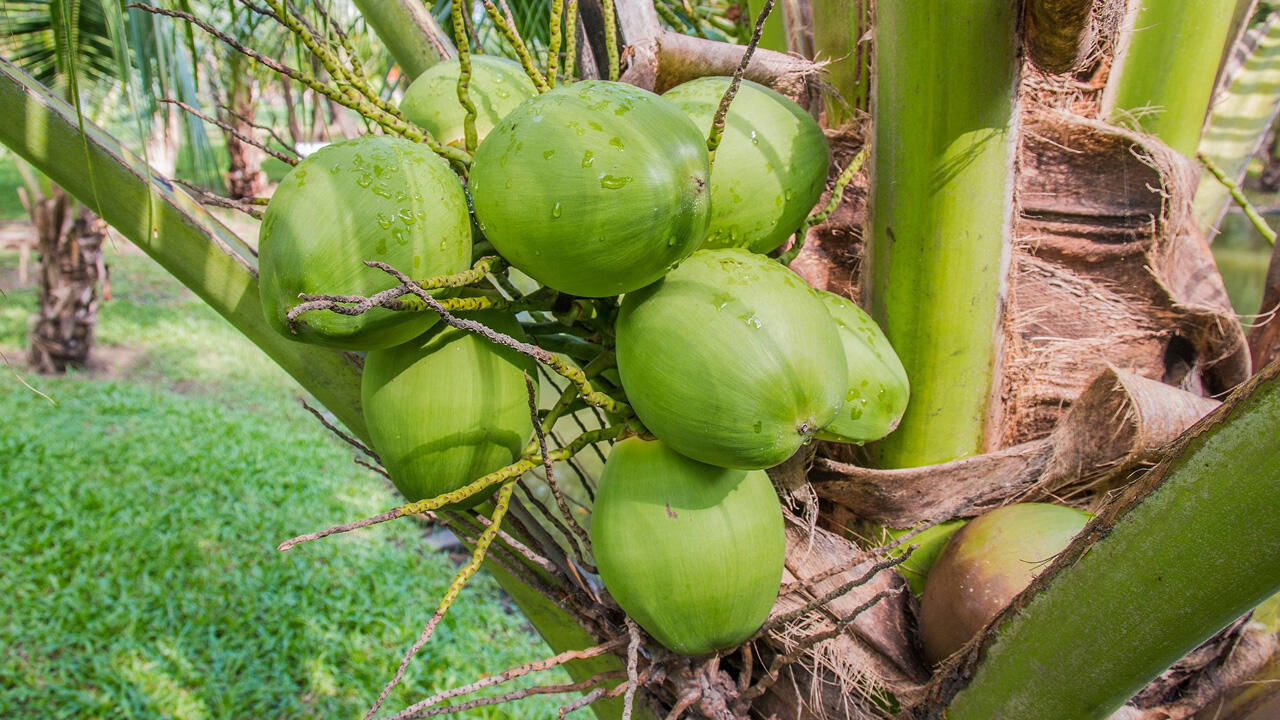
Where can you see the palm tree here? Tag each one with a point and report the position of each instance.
(77, 49)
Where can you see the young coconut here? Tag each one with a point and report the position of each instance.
(692, 552)
(770, 167)
(878, 387)
(372, 198)
(594, 189)
(985, 565)
(731, 359)
(496, 87)
(448, 407)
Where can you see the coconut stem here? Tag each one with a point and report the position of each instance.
(464, 77)
(717, 123)
(556, 35)
(611, 37)
(522, 51)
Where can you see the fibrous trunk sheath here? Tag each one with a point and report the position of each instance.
(71, 266)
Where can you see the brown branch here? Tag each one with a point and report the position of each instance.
(855, 561)
(525, 551)
(517, 695)
(551, 360)
(780, 661)
(381, 471)
(563, 529)
(511, 674)
(391, 514)
(686, 701)
(508, 560)
(584, 541)
(818, 602)
(341, 435)
(265, 128)
(581, 702)
(204, 197)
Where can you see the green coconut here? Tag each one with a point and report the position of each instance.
(497, 86)
(448, 407)
(594, 189)
(769, 169)
(372, 198)
(985, 565)
(878, 387)
(731, 359)
(691, 551)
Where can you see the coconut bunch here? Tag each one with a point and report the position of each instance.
(602, 196)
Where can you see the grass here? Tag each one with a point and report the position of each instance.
(138, 576)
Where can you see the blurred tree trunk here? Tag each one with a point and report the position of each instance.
(69, 239)
(245, 178)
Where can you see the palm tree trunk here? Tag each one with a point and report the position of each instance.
(245, 178)
(71, 265)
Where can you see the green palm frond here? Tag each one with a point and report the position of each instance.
(30, 32)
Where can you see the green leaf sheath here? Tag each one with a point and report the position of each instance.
(941, 203)
(1165, 67)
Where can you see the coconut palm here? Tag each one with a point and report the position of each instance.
(1030, 249)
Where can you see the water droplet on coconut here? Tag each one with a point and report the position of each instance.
(546, 154)
(398, 234)
(613, 182)
(384, 222)
(587, 159)
(758, 426)
(555, 211)
(754, 140)
(789, 195)
(616, 142)
(365, 181)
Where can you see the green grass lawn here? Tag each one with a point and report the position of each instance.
(138, 576)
